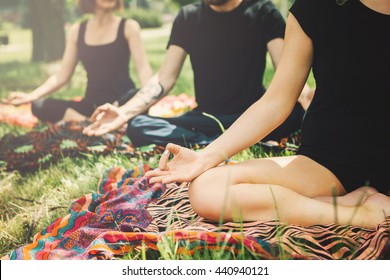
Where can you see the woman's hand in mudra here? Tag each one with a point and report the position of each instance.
(106, 118)
(185, 166)
(19, 98)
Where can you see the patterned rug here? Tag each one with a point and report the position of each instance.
(38, 149)
(128, 214)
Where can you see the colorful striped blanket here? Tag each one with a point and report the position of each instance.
(127, 214)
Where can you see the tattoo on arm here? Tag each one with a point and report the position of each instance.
(144, 98)
(151, 92)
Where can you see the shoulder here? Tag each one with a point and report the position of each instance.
(315, 5)
(260, 5)
(191, 11)
(131, 28)
(73, 32)
(192, 8)
(262, 9)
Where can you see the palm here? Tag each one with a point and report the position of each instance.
(182, 165)
(185, 166)
(106, 118)
(18, 98)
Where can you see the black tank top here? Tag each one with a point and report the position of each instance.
(107, 67)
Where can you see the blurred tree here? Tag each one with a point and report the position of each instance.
(9, 3)
(47, 25)
(138, 4)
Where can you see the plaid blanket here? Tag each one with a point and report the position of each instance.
(127, 214)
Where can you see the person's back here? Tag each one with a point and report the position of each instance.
(349, 116)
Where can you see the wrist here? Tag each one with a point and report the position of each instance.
(210, 159)
(125, 114)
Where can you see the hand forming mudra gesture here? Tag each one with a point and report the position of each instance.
(185, 166)
(106, 118)
(17, 98)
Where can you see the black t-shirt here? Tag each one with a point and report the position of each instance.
(227, 51)
(348, 120)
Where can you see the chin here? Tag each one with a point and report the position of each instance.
(106, 4)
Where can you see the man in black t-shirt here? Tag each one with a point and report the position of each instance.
(227, 42)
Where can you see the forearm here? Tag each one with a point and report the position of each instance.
(148, 95)
(257, 122)
(51, 85)
(145, 75)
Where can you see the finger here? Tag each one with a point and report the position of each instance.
(155, 173)
(174, 179)
(15, 94)
(155, 180)
(99, 110)
(163, 163)
(173, 148)
(103, 130)
(17, 102)
(91, 128)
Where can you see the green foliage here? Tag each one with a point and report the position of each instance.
(24, 149)
(146, 18)
(68, 144)
(184, 2)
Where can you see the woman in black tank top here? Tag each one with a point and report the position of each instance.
(103, 44)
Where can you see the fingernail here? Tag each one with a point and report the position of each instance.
(166, 152)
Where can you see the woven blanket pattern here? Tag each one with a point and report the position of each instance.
(127, 214)
(38, 149)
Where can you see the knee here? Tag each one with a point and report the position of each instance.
(135, 130)
(203, 194)
(37, 108)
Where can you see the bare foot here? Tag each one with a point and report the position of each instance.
(378, 208)
(73, 115)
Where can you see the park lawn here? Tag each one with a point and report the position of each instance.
(30, 202)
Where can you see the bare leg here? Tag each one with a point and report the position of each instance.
(73, 115)
(283, 188)
(356, 197)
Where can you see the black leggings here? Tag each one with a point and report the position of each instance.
(53, 110)
(195, 128)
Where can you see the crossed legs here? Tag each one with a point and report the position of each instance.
(294, 190)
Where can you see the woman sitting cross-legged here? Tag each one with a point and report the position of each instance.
(104, 44)
(327, 181)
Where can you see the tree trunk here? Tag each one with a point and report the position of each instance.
(47, 24)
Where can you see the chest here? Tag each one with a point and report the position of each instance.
(101, 35)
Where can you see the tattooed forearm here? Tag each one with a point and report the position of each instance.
(146, 97)
(151, 92)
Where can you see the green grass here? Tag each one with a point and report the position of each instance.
(30, 202)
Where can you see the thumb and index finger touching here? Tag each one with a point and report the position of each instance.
(170, 148)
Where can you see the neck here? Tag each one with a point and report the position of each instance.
(102, 17)
(227, 7)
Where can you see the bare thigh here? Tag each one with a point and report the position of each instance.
(297, 173)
